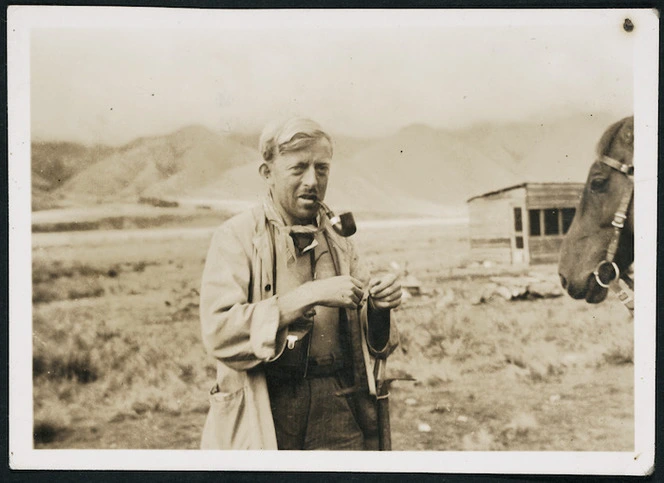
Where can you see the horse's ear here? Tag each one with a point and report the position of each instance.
(627, 132)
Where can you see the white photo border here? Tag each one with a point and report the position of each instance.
(23, 19)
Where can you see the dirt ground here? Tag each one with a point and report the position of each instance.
(118, 361)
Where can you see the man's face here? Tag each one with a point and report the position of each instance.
(299, 178)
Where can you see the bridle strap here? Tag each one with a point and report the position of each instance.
(624, 296)
(627, 169)
(619, 218)
(618, 222)
(629, 281)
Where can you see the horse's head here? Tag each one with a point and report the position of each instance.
(587, 241)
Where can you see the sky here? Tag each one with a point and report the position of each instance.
(111, 82)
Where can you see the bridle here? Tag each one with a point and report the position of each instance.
(607, 271)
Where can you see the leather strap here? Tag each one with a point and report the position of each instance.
(627, 169)
(608, 266)
(618, 223)
(624, 296)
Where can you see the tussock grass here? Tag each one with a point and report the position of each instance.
(540, 339)
(133, 354)
(88, 362)
(47, 431)
(53, 281)
(619, 353)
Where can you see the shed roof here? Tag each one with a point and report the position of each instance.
(525, 185)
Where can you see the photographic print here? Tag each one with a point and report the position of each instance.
(386, 230)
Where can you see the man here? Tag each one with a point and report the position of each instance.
(285, 312)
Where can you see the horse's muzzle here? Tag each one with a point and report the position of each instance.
(595, 292)
(591, 291)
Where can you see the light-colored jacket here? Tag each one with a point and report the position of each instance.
(240, 318)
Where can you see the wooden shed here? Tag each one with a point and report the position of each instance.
(522, 224)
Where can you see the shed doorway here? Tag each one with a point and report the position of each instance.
(518, 245)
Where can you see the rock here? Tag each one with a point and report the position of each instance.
(462, 419)
(421, 336)
(538, 370)
(554, 398)
(504, 292)
(570, 360)
(521, 424)
(423, 428)
(446, 299)
(481, 440)
(440, 408)
(517, 288)
(411, 284)
(545, 289)
(140, 407)
(435, 380)
(488, 290)
(518, 291)
(118, 418)
(515, 372)
(411, 401)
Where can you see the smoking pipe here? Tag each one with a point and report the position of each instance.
(344, 224)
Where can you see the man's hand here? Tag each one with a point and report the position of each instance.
(385, 292)
(341, 291)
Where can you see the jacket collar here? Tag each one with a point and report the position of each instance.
(263, 242)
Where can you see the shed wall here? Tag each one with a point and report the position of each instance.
(491, 227)
(545, 249)
(540, 196)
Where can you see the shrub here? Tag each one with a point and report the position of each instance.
(69, 364)
(47, 431)
(85, 289)
(619, 354)
(42, 294)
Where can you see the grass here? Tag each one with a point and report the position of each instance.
(118, 361)
(75, 280)
(132, 352)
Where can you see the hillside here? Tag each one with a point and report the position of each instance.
(347, 190)
(541, 150)
(429, 164)
(54, 163)
(416, 170)
(158, 166)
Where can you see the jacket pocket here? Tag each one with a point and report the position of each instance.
(224, 427)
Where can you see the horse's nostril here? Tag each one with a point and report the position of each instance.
(563, 281)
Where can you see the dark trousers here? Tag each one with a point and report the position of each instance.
(308, 415)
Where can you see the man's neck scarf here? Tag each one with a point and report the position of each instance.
(290, 239)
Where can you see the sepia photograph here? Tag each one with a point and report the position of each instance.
(237, 235)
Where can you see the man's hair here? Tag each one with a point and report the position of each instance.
(291, 135)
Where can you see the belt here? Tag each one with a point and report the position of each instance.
(315, 367)
(323, 366)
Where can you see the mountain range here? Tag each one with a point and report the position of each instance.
(417, 170)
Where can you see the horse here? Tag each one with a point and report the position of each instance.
(598, 249)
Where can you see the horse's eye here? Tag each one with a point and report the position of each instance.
(598, 184)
